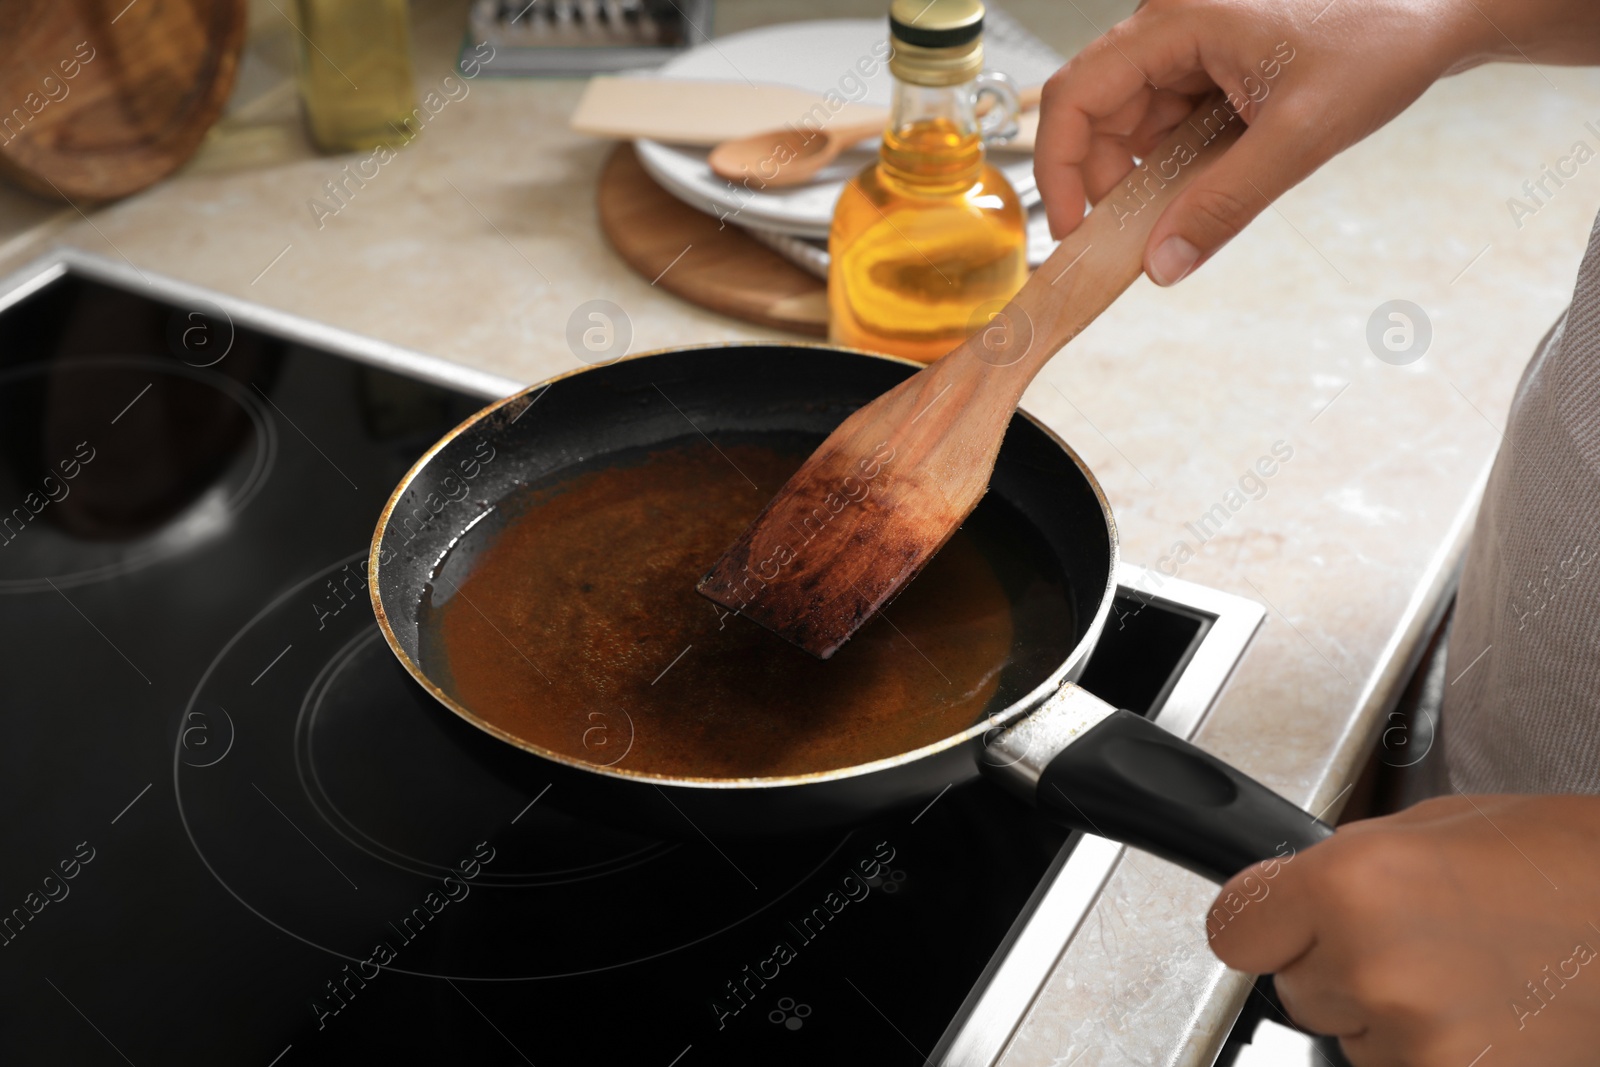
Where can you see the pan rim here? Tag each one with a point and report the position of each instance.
(1062, 675)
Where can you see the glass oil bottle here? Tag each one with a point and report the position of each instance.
(931, 235)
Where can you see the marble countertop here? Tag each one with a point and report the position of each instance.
(479, 240)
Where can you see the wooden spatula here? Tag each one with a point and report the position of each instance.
(885, 491)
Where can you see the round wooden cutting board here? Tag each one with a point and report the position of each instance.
(724, 270)
(101, 98)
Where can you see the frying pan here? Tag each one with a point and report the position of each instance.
(1081, 761)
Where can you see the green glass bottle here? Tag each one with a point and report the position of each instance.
(355, 73)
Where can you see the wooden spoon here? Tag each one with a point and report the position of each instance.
(887, 488)
(796, 155)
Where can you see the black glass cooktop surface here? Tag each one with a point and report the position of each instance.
(236, 832)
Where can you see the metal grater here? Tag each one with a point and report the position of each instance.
(579, 37)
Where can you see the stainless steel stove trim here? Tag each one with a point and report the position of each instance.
(45, 269)
(1002, 996)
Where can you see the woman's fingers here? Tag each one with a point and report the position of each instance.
(1264, 922)
(1317, 1004)
(1260, 921)
(1273, 156)
(1168, 107)
(1425, 938)
(1104, 94)
(1108, 163)
(1119, 98)
(1064, 197)
(1059, 150)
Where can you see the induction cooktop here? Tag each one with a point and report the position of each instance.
(237, 832)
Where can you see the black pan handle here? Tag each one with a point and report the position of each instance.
(1129, 780)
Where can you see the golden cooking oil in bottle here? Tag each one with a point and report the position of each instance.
(932, 234)
(355, 73)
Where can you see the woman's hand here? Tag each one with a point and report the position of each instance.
(1310, 77)
(1425, 938)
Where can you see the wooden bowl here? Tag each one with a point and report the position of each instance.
(101, 98)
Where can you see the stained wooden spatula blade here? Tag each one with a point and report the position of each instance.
(890, 486)
(856, 522)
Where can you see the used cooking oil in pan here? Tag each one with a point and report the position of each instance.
(568, 617)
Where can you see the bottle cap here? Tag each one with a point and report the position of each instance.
(936, 42)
